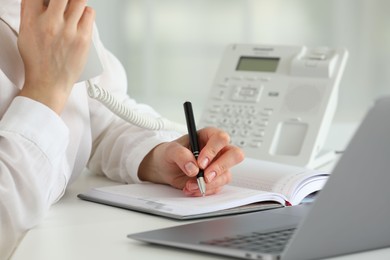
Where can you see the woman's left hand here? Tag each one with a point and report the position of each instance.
(173, 163)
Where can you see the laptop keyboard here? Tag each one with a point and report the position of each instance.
(271, 242)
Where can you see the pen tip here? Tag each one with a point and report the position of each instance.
(202, 186)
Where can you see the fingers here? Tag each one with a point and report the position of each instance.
(217, 155)
(31, 7)
(72, 10)
(212, 141)
(217, 174)
(191, 188)
(183, 158)
(77, 11)
(227, 158)
(56, 7)
(216, 158)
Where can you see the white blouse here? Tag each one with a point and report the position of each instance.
(41, 152)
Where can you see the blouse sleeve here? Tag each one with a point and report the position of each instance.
(33, 172)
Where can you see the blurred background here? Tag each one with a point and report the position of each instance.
(171, 49)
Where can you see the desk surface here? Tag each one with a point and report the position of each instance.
(76, 229)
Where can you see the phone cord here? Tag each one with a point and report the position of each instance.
(128, 114)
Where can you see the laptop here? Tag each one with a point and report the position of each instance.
(350, 214)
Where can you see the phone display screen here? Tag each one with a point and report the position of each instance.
(261, 64)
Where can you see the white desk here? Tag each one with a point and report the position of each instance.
(76, 229)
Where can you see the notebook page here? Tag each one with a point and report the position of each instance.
(155, 197)
(278, 178)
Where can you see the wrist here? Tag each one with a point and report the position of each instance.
(148, 170)
(53, 97)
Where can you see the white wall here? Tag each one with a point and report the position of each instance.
(171, 48)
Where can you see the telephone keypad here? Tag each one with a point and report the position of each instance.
(241, 122)
(241, 119)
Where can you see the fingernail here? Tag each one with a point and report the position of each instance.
(210, 177)
(203, 164)
(191, 168)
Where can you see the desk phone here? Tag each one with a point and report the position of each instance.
(276, 102)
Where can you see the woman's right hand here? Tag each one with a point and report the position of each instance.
(54, 41)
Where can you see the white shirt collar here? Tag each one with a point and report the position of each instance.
(10, 13)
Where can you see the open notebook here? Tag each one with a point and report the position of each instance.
(256, 185)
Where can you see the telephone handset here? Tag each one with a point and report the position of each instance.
(277, 102)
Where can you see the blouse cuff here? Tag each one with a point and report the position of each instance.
(37, 123)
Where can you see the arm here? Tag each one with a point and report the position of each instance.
(119, 147)
(33, 138)
(32, 169)
(126, 153)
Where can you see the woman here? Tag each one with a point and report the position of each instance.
(50, 130)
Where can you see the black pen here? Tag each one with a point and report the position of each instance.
(194, 143)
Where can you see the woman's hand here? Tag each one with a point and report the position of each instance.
(173, 163)
(53, 42)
